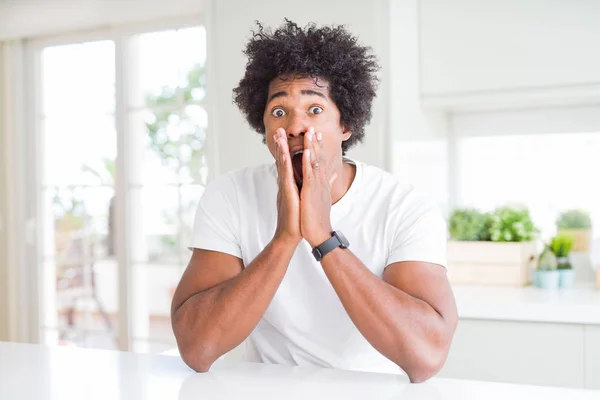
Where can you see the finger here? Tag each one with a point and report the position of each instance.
(327, 167)
(309, 143)
(317, 156)
(283, 142)
(287, 170)
(277, 152)
(333, 178)
(278, 156)
(308, 138)
(307, 168)
(283, 157)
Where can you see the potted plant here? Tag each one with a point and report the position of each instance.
(546, 276)
(577, 224)
(561, 246)
(491, 248)
(511, 224)
(468, 224)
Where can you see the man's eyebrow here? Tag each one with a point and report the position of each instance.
(310, 92)
(306, 92)
(276, 95)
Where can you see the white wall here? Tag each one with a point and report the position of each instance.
(408, 120)
(32, 18)
(478, 45)
(418, 137)
(232, 22)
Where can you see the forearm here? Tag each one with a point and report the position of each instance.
(403, 328)
(216, 320)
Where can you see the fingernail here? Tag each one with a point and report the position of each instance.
(319, 136)
(310, 136)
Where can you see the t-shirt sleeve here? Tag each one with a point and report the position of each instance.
(216, 224)
(420, 232)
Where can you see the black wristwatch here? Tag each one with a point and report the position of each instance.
(336, 240)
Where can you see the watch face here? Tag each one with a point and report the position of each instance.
(342, 239)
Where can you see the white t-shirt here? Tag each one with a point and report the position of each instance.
(306, 324)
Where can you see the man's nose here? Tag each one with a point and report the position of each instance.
(297, 126)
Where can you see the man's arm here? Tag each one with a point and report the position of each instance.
(218, 303)
(410, 316)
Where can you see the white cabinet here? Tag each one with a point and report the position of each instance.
(592, 357)
(471, 46)
(521, 352)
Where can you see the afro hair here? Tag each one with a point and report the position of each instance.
(331, 53)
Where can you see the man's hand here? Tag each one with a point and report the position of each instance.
(315, 197)
(288, 198)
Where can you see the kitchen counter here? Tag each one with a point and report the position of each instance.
(38, 372)
(580, 305)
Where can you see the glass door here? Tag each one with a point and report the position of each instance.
(160, 97)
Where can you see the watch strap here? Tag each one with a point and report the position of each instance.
(330, 244)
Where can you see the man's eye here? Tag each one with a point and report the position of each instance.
(315, 110)
(278, 112)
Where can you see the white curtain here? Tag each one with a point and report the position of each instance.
(5, 314)
(17, 303)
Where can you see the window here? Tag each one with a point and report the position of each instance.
(549, 173)
(160, 97)
(79, 145)
(424, 164)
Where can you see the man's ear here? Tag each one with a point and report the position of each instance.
(346, 134)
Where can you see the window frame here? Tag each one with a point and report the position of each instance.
(33, 278)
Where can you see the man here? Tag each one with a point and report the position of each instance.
(317, 259)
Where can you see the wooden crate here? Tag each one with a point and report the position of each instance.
(491, 263)
(582, 238)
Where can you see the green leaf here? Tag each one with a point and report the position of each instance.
(512, 224)
(469, 224)
(574, 219)
(561, 245)
(168, 149)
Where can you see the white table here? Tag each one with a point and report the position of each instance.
(39, 372)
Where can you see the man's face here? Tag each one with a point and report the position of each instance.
(297, 104)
